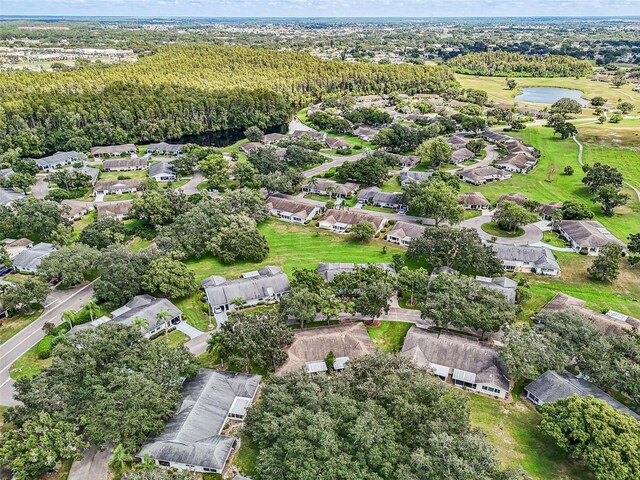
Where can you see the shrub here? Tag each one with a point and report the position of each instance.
(44, 347)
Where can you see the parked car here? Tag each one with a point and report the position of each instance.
(4, 271)
(54, 281)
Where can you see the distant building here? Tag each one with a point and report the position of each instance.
(375, 196)
(76, 211)
(9, 196)
(322, 186)
(92, 172)
(538, 260)
(266, 285)
(518, 198)
(164, 148)
(291, 210)
(193, 439)
(270, 138)
(120, 210)
(124, 164)
(28, 260)
(462, 155)
(117, 187)
(547, 210)
(553, 385)
(482, 175)
(310, 348)
(504, 285)
(413, 176)
(329, 270)
(474, 201)
(15, 246)
(58, 159)
(403, 232)
(114, 150)
(587, 236)
(517, 162)
(406, 161)
(463, 361)
(249, 147)
(163, 171)
(365, 133)
(335, 143)
(342, 220)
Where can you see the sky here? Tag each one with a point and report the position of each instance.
(322, 8)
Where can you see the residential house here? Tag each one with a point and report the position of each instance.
(6, 173)
(311, 133)
(457, 141)
(164, 148)
(341, 220)
(587, 236)
(482, 175)
(124, 164)
(462, 155)
(403, 232)
(310, 348)
(58, 159)
(250, 147)
(474, 201)
(494, 137)
(460, 360)
(92, 172)
(516, 197)
(610, 323)
(193, 438)
(330, 270)
(117, 187)
(374, 196)
(163, 171)
(517, 162)
(406, 161)
(291, 210)
(150, 310)
(75, 211)
(335, 143)
(366, 133)
(538, 260)
(504, 285)
(412, 176)
(322, 186)
(9, 196)
(270, 138)
(547, 210)
(553, 385)
(114, 150)
(419, 119)
(267, 285)
(28, 260)
(120, 210)
(14, 246)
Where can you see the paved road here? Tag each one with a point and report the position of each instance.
(532, 233)
(58, 302)
(188, 330)
(94, 465)
(336, 161)
(191, 187)
(40, 188)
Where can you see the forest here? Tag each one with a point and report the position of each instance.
(184, 90)
(520, 65)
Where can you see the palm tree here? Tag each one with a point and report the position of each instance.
(68, 316)
(91, 306)
(331, 190)
(162, 316)
(119, 459)
(238, 302)
(313, 182)
(140, 323)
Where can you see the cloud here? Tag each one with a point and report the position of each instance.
(310, 8)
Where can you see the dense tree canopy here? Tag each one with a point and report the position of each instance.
(513, 64)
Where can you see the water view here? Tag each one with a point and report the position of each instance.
(549, 95)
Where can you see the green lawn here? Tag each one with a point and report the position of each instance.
(246, 457)
(389, 336)
(139, 244)
(471, 214)
(552, 238)
(546, 183)
(133, 174)
(195, 310)
(82, 223)
(122, 196)
(512, 429)
(627, 160)
(492, 228)
(392, 185)
(294, 246)
(378, 209)
(176, 338)
(28, 365)
(317, 198)
(623, 134)
(12, 325)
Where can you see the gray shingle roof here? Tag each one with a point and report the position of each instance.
(268, 281)
(114, 208)
(166, 148)
(473, 198)
(515, 197)
(455, 351)
(193, 435)
(541, 257)
(504, 285)
(410, 176)
(462, 154)
(406, 229)
(138, 162)
(58, 158)
(114, 149)
(375, 195)
(301, 209)
(553, 385)
(330, 270)
(9, 195)
(147, 308)
(30, 258)
(351, 217)
(588, 233)
(163, 167)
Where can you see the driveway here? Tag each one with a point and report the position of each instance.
(58, 302)
(296, 124)
(94, 465)
(191, 187)
(335, 161)
(40, 188)
(198, 345)
(532, 234)
(99, 197)
(188, 330)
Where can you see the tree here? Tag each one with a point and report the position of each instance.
(436, 200)
(606, 266)
(413, 284)
(302, 304)
(527, 353)
(566, 105)
(591, 431)
(619, 79)
(363, 231)
(169, 278)
(24, 296)
(609, 198)
(37, 218)
(157, 208)
(240, 240)
(373, 297)
(511, 84)
(568, 170)
(69, 179)
(86, 388)
(307, 279)
(625, 107)
(599, 175)
(4, 256)
(602, 119)
(615, 117)
(266, 160)
(399, 138)
(634, 248)
(460, 249)
(474, 123)
(20, 180)
(103, 232)
(215, 169)
(244, 173)
(509, 216)
(281, 182)
(370, 170)
(39, 445)
(71, 264)
(254, 340)
(300, 157)
(435, 151)
(574, 210)
(461, 302)
(565, 130)
(254, 134)
(598, 101)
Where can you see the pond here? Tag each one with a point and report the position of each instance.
(549, 95)
(222, 138)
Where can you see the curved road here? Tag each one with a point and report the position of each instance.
(532, 234)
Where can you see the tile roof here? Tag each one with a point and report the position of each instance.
(406, 229)
(351, 217)
(301, 209)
